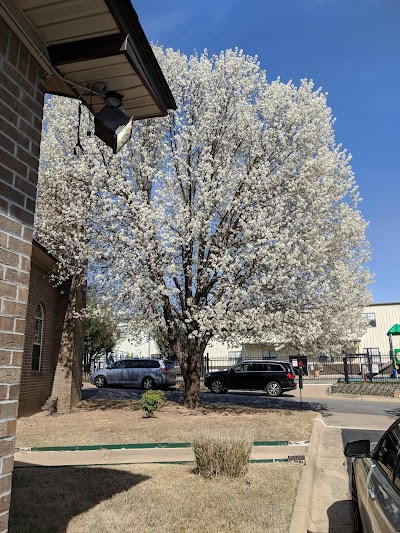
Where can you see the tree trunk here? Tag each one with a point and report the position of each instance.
(189, 352)
(191, 376)
(67, 382)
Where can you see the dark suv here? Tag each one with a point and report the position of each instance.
(272, 376)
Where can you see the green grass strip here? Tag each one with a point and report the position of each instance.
(269, 460)
(271, 443)
(148, 445)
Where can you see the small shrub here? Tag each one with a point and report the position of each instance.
(224, 453)
(150, 401)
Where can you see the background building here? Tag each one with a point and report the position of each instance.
(381, 318)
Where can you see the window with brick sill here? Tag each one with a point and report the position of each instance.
(38, 338)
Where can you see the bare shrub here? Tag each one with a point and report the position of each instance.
(224, 452)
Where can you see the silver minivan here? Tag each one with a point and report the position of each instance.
(145, 373)
(376, 483)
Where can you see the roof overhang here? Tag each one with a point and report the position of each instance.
(80, 43)
(42, 258)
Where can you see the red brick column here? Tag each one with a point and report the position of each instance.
(21, 107)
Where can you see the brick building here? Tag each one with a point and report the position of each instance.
(21, 98)
(47, 368)
(63, 47)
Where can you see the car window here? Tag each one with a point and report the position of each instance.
(131, 364)
(397, 476)
(150, 364)
(259, 367)
(276, 368)
(242, 367)
(388, 450)
(119, 364)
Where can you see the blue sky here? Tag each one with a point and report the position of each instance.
(349, 47)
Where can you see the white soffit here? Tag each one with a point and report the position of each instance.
(69, 20)
(87, 42)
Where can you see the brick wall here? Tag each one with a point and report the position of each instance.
(36, 386)
(21, 105)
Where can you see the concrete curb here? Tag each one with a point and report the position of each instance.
(301, 517)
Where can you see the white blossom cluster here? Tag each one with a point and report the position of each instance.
(235, 217)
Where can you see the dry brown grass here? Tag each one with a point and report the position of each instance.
(156, 498)
(223, 452)
(122, 422)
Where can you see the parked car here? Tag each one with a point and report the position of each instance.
(375, 482)
(145, 373)
(272, 376)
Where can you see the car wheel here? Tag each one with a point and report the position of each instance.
(217, 386)
(148, 383)
(100, 382)
(354, 504)
(273, 389)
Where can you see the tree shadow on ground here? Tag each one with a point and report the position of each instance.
(233, 406)
(232, 403)
(105, 404)
(46, 499)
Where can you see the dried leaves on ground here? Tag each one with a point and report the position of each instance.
(122, 422)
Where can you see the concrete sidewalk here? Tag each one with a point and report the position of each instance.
(140, 455)
(323, 502)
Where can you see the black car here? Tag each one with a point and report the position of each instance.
(272, 376)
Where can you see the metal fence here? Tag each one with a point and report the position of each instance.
(346, 368)
(367, 367)
(355, 367)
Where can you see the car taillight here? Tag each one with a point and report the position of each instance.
(165, 370)
(289, 375)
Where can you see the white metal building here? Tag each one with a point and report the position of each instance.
(382, 317)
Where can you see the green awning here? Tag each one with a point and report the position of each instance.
(394, 330)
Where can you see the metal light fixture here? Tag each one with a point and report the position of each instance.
(111, 124)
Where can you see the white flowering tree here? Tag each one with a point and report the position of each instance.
(64, 214)
(234, 218)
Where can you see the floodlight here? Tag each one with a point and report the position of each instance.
(111, 124)
(113, 127)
